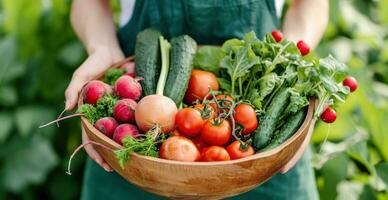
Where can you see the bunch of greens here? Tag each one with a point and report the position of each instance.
(255, 70)
(146, 145)
(103, 108)
(111, 75)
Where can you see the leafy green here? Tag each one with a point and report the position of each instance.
(111, 75)
(208, 58)
(103, 108)
(147, 146)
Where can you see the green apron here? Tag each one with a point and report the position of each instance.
(208, 22)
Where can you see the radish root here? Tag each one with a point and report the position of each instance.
(60, 119)
(60, 115)
(68, 172)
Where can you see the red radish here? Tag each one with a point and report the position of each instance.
(303, 47)
(124, 130)
(106, 125)
(95, 90)
(156, 111)
(277, 35)
(128, 87)
(130, 68)
(351, 82)
(329, 115)
(124, 110)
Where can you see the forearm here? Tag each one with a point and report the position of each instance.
(306, 20)
(92, 21)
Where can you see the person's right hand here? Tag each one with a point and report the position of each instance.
(96, 64)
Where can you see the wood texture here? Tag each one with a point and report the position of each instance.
(201, 180)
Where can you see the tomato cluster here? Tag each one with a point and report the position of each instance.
(208, 129)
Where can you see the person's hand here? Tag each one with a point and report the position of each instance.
(299, 153)
(96, 64)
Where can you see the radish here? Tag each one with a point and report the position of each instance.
(95, 90)
(303, 48)
(351, 82)
(128, 87)
(106, 125)
(123, 131)
(277, 35)
(129, 68)
(329, 115)
(156, 111)
(124, 110)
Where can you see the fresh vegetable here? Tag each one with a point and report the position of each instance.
(183, 49)
(128, 87)
(124, 110)
(201, 82)
(94, 91)
(268, 122)
(146, 145)
(287, 130)
(329, 115)
(156, 111)
(148, 59)
(199, 143)
(106, 125)
(179, 148)
(208, 58)
(245, 116)
(111, 75)
(165, 54)
(350, 82)
(236, 150)
(303, 47)
(214, 153)
(125, 130)
(207, 111)
(277, 35)
(129, 68)
(223, 100)
(189, 121)
(216, 132)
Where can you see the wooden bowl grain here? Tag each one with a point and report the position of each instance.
(201, 180)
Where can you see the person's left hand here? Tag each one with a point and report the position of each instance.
(299, 152)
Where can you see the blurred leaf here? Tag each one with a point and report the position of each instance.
(8, 95)
(383, 10)
(8, 67)
(72, 54)
(382, 171)
(27, 162)
(6, 125)
(333, 172)
(28, 118)
(349, 190)
(359, 153)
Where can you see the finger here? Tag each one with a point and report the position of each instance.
(299, 153)
(93, 154)
(90, 69)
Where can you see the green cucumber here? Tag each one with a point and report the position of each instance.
(147, 57)
(288, 129)
(263, 135)
(183, 50)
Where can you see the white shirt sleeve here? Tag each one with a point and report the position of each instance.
(127, 7)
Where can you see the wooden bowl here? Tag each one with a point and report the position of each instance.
(201, 180)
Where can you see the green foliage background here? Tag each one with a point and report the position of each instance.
(39, 52)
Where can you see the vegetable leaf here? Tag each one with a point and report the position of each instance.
(111, 75)
(208, 58)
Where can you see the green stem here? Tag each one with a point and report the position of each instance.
(275, 60)
(165, 54)
(232, 87)
(240, 85)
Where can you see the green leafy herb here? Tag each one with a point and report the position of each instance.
(111, 75)
(103, 108)
(147, 146)
(208, 58)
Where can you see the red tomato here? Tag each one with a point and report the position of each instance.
(351, 82)
(199, 143)
(235, 152)
(245, 116)
(329, 115)
(223, 100)
(189, 121)
(215, 153)
(207, 111)
(179, 148)
(277, 35)
(214, 133)
(199, 84)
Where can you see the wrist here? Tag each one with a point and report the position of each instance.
(113, 52)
